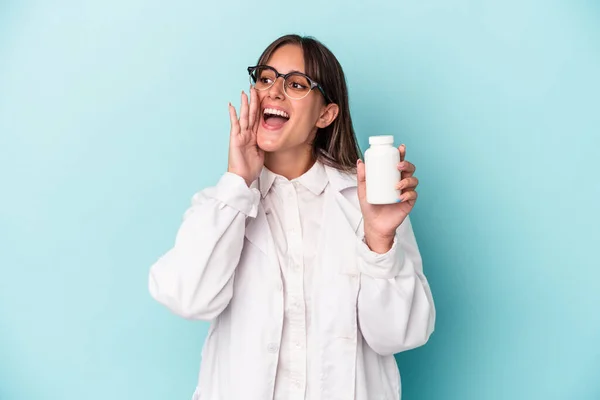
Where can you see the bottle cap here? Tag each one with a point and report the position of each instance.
(384, 139)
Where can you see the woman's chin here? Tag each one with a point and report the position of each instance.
(268, 141)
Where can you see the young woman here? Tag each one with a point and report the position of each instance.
(309, 289)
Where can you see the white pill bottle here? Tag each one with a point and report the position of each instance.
(381, 170)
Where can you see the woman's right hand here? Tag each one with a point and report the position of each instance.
(246, 159)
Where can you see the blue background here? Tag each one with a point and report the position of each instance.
(113, 114)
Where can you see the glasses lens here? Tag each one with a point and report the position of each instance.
(262, 78)
(297, 86)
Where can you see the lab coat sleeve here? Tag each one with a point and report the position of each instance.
(194, 279)
(396, 311)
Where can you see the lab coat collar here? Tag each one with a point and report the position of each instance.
(259, 234)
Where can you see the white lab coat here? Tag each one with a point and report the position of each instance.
(223, 269)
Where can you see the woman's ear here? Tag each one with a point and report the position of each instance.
(328, 115)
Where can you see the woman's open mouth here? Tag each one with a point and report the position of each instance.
(274, 119)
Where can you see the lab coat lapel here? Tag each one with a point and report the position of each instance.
(339, 285)
(257, 230)
(342, 185)
(350, 213)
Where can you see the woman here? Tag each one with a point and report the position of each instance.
(309, 289)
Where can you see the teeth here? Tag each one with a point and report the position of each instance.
(273, 111)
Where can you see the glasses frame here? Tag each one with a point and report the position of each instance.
(313, 84)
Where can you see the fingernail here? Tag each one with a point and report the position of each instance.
(401, 164)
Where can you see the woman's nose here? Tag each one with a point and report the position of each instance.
(276, 91)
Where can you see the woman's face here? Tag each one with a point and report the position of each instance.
(297, 128)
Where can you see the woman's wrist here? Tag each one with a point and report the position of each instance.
(377, 242)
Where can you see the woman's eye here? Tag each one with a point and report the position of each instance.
(296, 85)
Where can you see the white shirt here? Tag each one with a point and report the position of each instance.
(294, 210)
(225, 267)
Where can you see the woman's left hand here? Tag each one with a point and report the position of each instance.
(382, 220)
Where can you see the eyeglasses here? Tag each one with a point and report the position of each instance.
(296, 85)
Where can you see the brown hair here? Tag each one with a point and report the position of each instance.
(336, 144)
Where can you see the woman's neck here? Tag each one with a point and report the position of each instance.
(290, 164)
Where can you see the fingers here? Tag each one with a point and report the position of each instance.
(253, 108)
(408, 196)
(235, 126)
(407, 168)
(402, 150)
(408, 184)
(244, 112)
